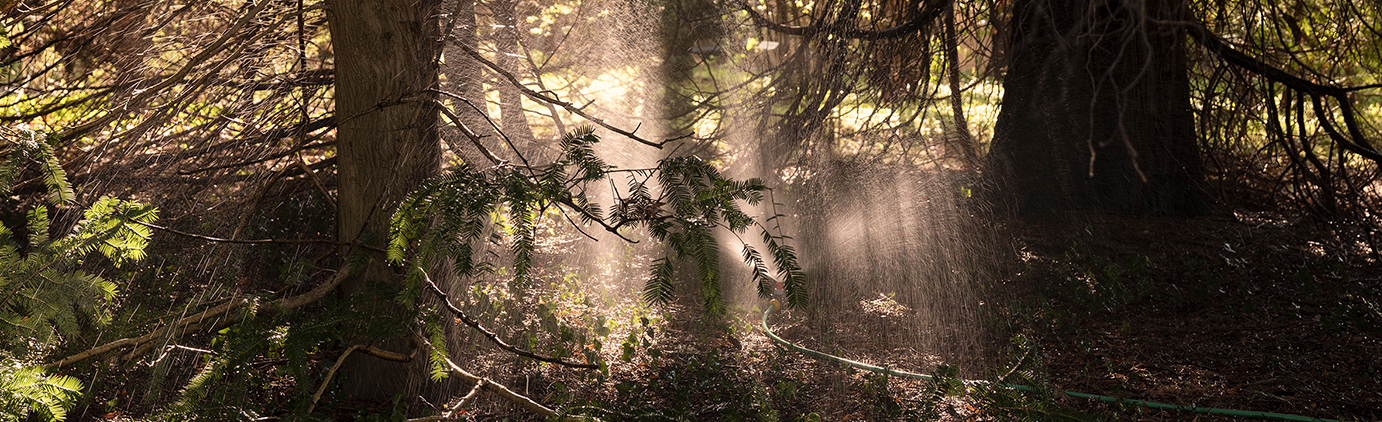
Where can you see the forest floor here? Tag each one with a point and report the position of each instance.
(1237, 311)
(1240, 311)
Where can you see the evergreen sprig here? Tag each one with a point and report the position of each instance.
(44, 294)
(681, 203)
(22, 147)
(28, 391)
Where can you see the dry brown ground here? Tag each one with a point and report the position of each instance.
(1242, 311)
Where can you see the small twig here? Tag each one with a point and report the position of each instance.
(327, 381)
(576, 226)
(370, 350)
(258, 199)
(260, 241)
(302, 164)
(386, 355)
(469, 134)
(470, 397)
(505, 392)
(192, 349)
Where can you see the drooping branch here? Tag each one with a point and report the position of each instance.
(1355, 142)
(540, 97)
(928, 14)
(147, 94)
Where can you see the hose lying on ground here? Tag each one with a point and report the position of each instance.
(1149, 404)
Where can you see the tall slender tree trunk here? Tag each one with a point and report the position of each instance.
(963, 140)
(466, 76)
(387, 142)
(1096, 111)
(513, 119)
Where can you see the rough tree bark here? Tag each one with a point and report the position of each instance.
(387, 141)
(1096, 112)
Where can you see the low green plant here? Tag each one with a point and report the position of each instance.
(1003, 402)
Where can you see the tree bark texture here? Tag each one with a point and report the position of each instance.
(388, 142)
(1096, 112)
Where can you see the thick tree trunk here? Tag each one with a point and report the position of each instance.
(1096, 112)
(387, 141)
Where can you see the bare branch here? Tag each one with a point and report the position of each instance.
(551, 100)
(182, 324)
(146, 94)
(929, 12)
(500, 389)
(260, 241)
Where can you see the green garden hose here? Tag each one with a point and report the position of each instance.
(1149, 404)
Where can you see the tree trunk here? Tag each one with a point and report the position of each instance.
(465, 77)
(513, 119)
(387, 142)
(1096, 112)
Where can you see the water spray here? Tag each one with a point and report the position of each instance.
(775, 305)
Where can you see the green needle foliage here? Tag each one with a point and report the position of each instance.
(681, 202)
(19, 149)
(28, 390)
(44, 294)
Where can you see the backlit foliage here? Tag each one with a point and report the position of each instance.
(681, 203)
(44, 294)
